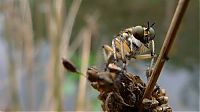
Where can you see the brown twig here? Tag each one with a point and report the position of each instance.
(27, 30)
(84, 65)
(68, 26)
(54, 25)
(167, 45)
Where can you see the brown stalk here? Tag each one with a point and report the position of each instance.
(57, 68)
(53, 97)
(68, 26)
(59, 39)
(12, 63)
(87, 33)
(20, 19)
(25, 13)
(77, 42)
(56, 21)
(167, 45)
(50, 22)
(65, 35)
(84, 65)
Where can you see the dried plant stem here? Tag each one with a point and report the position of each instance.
(57, 72)
(14, 102)
(65, 35)
(167, 45)
(84, 66)
(68, 26)
(50, 22)
(53, 97)
(20, 20)
(28, 46)
(76, 44)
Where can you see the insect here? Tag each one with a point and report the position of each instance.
(134, 42)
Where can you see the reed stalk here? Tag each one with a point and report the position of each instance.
(66, 34)
(12, 75)
(27, 30)
(84, 65)
(50, 25)
(14, 101)
(54, 18)
(68, 26)
(87, 33)
(167, 45)
(59, 36)
(19, 18)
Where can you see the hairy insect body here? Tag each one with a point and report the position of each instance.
(135, 42)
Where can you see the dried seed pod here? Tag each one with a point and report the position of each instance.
(105, 77)
(92, 74)
(69, 66)
(114, 68)
(139, 80)
(162, 92)
(162, 99)
(150, 103)
(154, 110)
(121, 91)
(158, 109)
(166, 108)
(147, 103)
(154, 102)
(121, 100)
(95, 85)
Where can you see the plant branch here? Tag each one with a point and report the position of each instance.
(167, 45)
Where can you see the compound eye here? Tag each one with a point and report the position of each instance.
(139, 31)
(151, 33)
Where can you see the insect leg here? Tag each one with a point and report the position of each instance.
(107, 50)
(122, 49)
(122, 54)
(131, 44)
(153, 58)
(142, 56)
(114, 49)
(152, 62)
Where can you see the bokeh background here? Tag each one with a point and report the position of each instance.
(36, 34)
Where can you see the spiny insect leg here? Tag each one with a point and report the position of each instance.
(152, 63)
(107, 52)
(122, 54)
(131, 43)
(106, 55)
(114, 49)
(143, 56)
(153, 56)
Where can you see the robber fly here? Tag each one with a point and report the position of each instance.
(134, 42)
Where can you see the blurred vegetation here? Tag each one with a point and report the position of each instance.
(113, 15)
(116, 15)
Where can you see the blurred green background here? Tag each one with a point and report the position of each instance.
(36, 34)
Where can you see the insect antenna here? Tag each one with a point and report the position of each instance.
(148, 26)
(152, 24)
